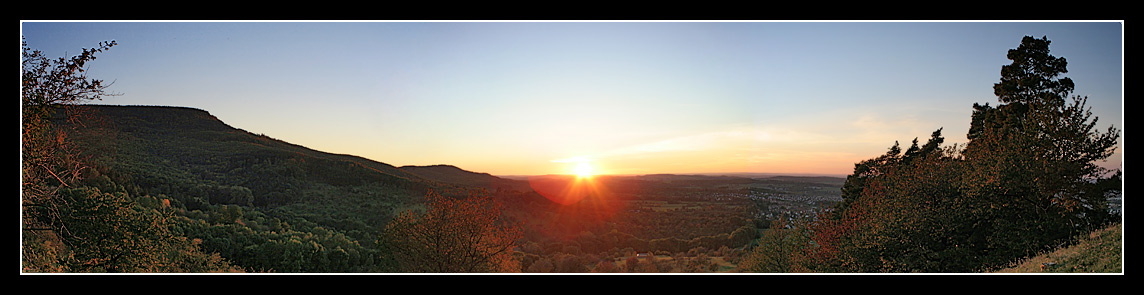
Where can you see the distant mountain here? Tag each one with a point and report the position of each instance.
(453, 175)
(830, 180)
(688, 177)
(769, 175)
(741, 177)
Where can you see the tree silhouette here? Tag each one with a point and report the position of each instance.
(1037, 153)
(1033, 76)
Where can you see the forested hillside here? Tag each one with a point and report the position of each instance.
(453, 175)
(260, 203)
(74, 218)
(264, 205)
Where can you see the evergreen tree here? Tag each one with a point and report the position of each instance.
(1035, 155)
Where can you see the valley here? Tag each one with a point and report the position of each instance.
(254, 200)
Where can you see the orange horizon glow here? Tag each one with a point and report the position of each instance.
(580, 166)
(569, 189)
(628, 98)
(581, 201)
(584, 170)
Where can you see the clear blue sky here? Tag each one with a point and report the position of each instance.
(630, 97)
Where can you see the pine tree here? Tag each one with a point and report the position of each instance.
(1034, 157)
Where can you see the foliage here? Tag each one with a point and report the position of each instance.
(109, 232)
(283, 249)
(779, 249)
(230, 200)
(199, 161)
(1033, 75)
(105, 233)
(48, 89)
(1026, 182)
(605, 267)
(1035, 159)
(269, 206)
(453, 235)
(73, 218)
(256, 201)
(47, 85)
(542, 265)
(306, 216)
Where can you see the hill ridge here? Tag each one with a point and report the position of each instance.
(164, 144)
(451, 174)
(121, 110)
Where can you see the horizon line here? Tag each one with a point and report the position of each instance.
(733, 174)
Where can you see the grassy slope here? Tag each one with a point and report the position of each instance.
(1099, 252)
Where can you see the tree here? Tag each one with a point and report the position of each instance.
(48, 89)
(779, 249)
(542, 265)
(649, 266)
(605, 266)
(109, 232)
(1036, 153)
(48, 85)
(632, 265)
(70, 220)
(568, 263)
(1026, 181)
(1033, 77)
(1056, 142)
(453, 235)
(50, 162)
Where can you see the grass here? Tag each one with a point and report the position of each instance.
(1099, 252)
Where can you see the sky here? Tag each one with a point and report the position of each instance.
(626, 97)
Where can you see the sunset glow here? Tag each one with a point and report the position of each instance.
(568, 190)
(572, 148)
(584, 170)
(580, 166)
(604, 98)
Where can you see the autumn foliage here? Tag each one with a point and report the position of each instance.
(72, 218)
(1026, 182)
(466, 235)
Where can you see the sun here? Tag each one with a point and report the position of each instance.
(584, 170)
